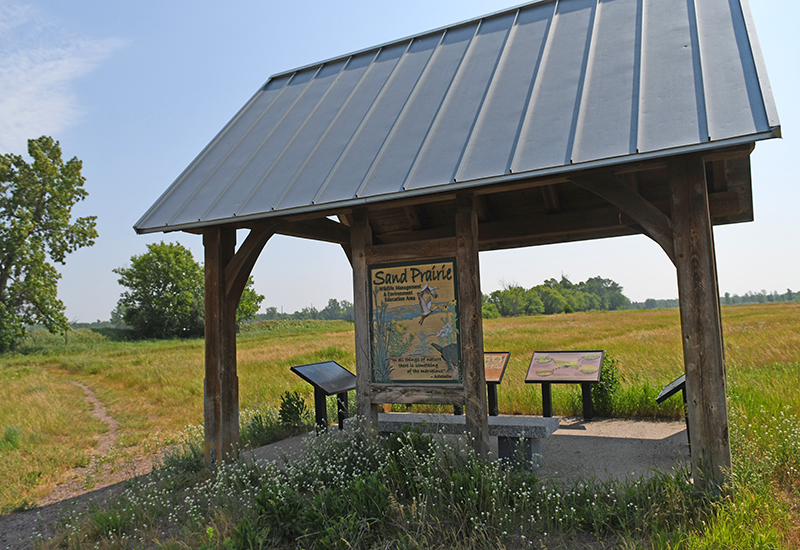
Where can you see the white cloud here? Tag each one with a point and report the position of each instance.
(36, 75)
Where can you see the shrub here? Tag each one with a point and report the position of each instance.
(603, 392)
(294, 412)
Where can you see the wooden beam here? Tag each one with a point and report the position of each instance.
(551, 202)
(360, 238)
(654, 223)
(415, 236)
(482, 209)
(471, 323)
(405, 252)
(737, 151)
(577, 236)
(701, 324)
(413, 215)
(321, 229)
(554, 224)
(221, 386)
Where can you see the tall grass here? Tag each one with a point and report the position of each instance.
(45, 428)
(154, 388)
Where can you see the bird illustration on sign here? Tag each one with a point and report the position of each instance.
(426, 296)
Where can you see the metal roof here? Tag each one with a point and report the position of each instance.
(544, 88)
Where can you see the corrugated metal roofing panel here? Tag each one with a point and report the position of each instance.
(547, 134)
(444, 145)
(607, 123)
(408, 135)
(723, 39)
(533, 90)
(491, 145)
(670, 114)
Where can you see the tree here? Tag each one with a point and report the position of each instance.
(36, 202)
(165, 296)
(248, 303)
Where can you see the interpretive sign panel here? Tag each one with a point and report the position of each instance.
(414, 333)
(329, 376)
(495, 363)
(565, 366)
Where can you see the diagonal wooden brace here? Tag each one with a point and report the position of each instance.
(654, 223)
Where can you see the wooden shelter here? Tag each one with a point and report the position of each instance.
(551, 122)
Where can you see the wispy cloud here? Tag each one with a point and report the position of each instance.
(37, 70)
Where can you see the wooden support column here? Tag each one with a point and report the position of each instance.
(471, 323)
(221, 389)
(701, 324)
(360, 239)
(226, 276)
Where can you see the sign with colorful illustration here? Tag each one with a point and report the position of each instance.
(565, 366)
(494, 365)
(414, 309)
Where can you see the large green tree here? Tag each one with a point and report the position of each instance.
(36, 228)
(165, 296)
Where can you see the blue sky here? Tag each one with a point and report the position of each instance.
(137, 89)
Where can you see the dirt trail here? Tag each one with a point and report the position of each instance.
(95, 482)
(78, 479)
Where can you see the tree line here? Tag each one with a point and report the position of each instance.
(552, 297)
(334, 311)
(727, 299)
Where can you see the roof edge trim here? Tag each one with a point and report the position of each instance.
(761, 69)
(467, 185)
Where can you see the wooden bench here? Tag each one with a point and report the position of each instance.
(508, 429)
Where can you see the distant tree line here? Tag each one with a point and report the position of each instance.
(334, 311)
(553, 297)
(728, 299)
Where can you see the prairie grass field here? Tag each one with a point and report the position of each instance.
(154, 390)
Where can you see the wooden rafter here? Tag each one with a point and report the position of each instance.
(654, 223)
(414, 217)
(551, 202)
(321, 229)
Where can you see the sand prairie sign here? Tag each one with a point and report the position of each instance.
(414, 332)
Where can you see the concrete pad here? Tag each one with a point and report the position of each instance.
(601, 449)
(605, 449)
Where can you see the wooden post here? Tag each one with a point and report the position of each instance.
(360, 239)
(701, 324)
(221, 388)
(471, 323)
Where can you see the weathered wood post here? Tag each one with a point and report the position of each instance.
(226, 276)
(701, 324)
(471, 323)
(221, 387)
(360, 238)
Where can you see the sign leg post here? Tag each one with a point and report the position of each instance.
(588, 407)
(491, 388)
(343, 406)
(321, 407)
(547, 400)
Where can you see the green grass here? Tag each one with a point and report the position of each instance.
(154, 390)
